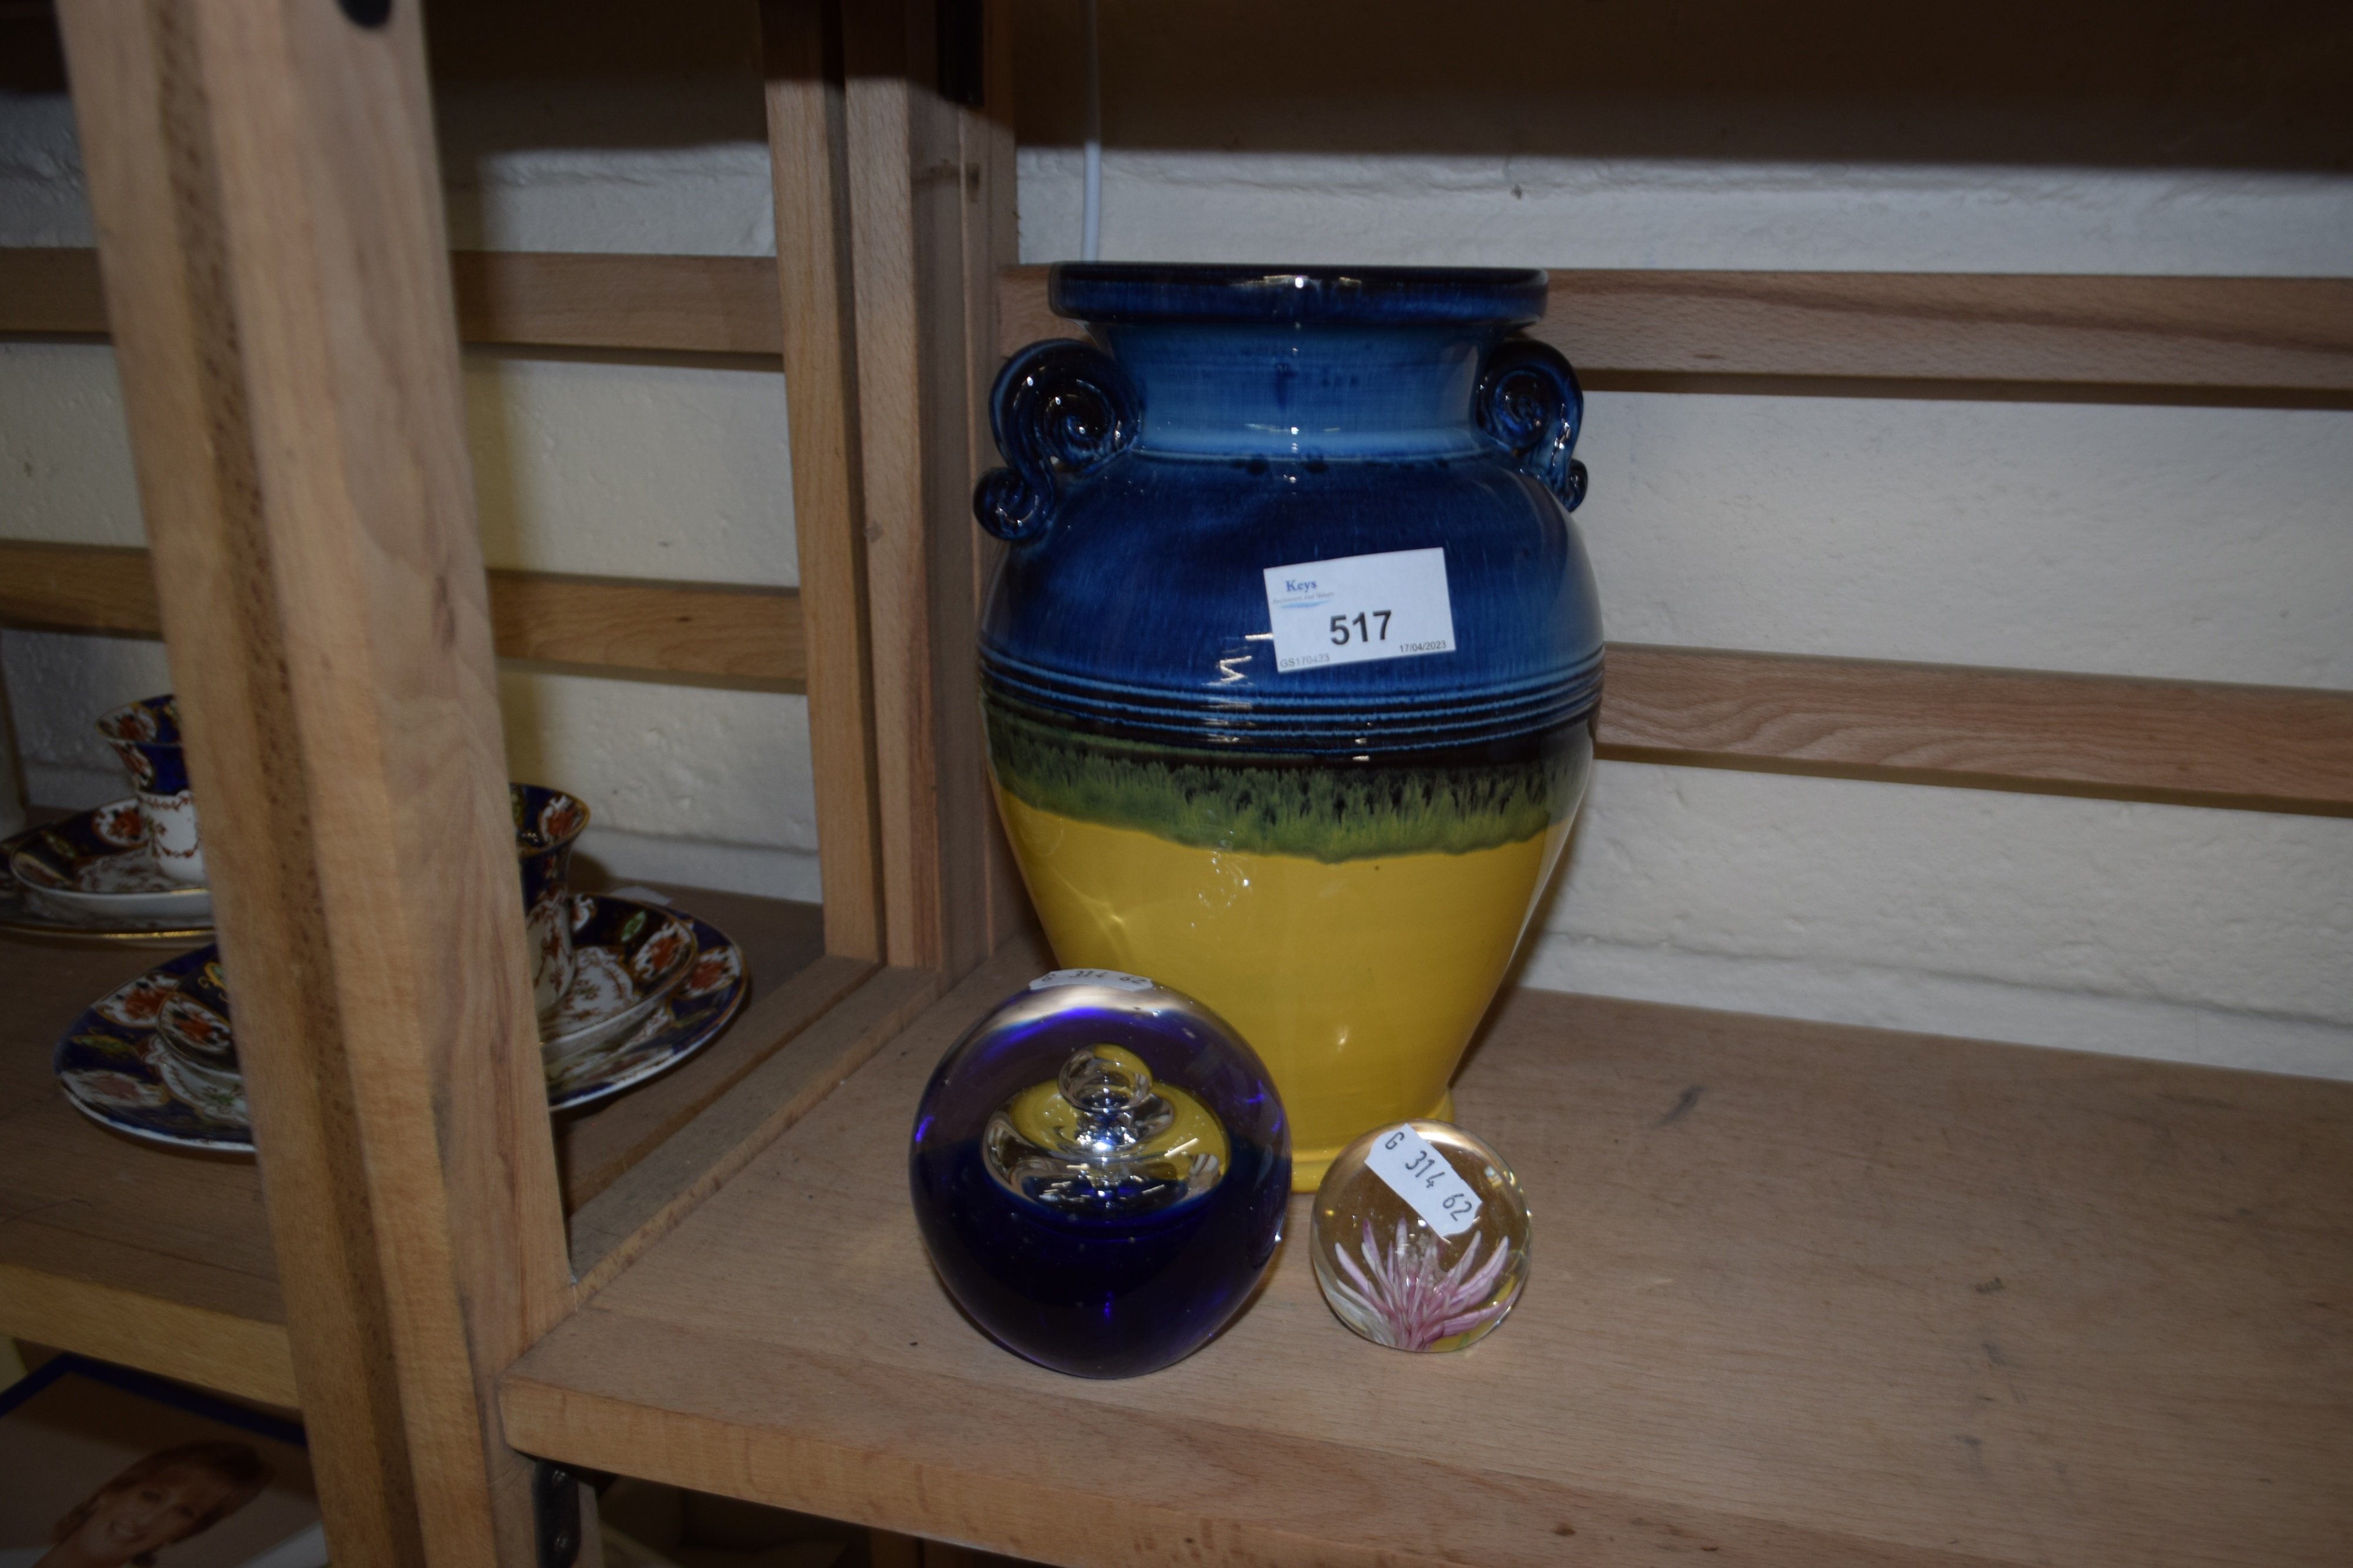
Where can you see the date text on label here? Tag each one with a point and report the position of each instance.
(1419, 1174)
(1391, 605)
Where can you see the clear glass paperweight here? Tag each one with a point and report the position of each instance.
(1099, 1170)
(1420, 1237)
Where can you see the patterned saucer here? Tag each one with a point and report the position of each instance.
(627, 956)
(117, 1070)
(701, 1006)
(90, 875)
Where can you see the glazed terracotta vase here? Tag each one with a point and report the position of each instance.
(1289, 673)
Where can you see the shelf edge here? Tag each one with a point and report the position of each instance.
(173, 1339)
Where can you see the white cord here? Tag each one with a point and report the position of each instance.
(1091, 244)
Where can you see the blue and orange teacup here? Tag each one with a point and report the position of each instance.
(547, 822)
(194, 1021)
(145, 736)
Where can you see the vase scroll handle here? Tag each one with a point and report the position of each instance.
(1058, 409)
(1529, 400)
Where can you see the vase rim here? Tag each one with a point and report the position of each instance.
(1118, 293)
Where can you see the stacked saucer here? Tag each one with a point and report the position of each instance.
(92, 874)
(623, 989)
(157, 1058)
(131, 870)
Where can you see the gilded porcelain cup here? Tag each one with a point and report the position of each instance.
(145, 736)
(195, 1021)
(546, 823)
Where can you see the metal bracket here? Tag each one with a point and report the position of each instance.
(556, 1509)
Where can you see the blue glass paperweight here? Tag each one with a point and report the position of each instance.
(1099, 1170)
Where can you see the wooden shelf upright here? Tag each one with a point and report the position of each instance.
(1805, 1294)
(285, 318)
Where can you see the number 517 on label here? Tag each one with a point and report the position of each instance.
(1355, 608)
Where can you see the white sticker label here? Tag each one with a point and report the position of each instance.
(1420, 1176)
(1110, 977)
(1393, 606)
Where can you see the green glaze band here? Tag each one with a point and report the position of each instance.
(1265, 805)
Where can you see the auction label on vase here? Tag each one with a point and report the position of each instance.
(1392, 605)
(1415, 1171)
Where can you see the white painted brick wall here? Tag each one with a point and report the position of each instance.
(1529, 211)
(632, 469)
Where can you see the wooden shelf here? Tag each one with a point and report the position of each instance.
(115, 1248)
(1820, 1296)
(1806, 1294)
(163, 1260)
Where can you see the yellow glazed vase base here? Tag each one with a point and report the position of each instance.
(1308, 1165)
(1358, 982)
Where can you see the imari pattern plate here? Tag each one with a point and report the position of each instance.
(705, 997)
(627, 956)
(119, 1072)
(90, 875)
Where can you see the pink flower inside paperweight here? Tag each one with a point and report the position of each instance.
(1420, 1237)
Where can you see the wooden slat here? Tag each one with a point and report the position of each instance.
(1803, 1295)
(2248, 745)
(684, 628)
(807, 160)
(613, 1230)
(992, 242)
(266, 189)
(140, 103)
(923, 192)
(78, 588)
(691, 304)
(2285, 333)
(672, 305)
(882, 117)
(227, 1351)
(2096, 330)
(50, 290)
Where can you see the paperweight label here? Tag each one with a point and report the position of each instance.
(1420, 1176)
(1110, 977)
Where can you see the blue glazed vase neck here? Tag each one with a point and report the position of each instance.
(1299, 391)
